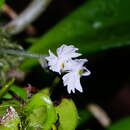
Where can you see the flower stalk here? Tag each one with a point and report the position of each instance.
(17, 52)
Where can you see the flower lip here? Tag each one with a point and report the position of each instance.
(75, 70)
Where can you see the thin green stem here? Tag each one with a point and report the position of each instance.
(54, 84)
(6, 87)
(17, 52)
(56, 81)
(20, 53)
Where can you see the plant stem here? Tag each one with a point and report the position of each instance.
(27, 16)
(23, 53)
(6, 87)
(54, 84)
(56, 81)
(20, 53)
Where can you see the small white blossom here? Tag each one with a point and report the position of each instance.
(65, 62)
(64, 54)
(75, 70)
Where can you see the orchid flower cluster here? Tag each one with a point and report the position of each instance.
(66, 62)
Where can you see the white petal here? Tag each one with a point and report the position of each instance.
(51, 57)
(60, 50)
(78, 84)
(69, 65)
(74, 65)
(53, 62)
(81, 61)
(72, 81)
(67, 52)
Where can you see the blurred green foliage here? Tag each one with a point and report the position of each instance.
(84, 116)
(1, 3)
(20, 92)
(96, 25)
(123, 124)
(8, 61)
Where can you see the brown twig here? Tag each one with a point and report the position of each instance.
(29, 14)
(12, 14)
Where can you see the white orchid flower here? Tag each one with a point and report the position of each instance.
(64, 54)
(75, 70)
(65, 62)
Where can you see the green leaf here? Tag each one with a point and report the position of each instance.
(40, 112)
(17, 90)
(68, 115)
(1, 3)
(96, 25)
(36, 119)
(123, 124)
(21, 92)
(7, 96)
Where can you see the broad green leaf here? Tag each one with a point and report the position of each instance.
(36, 118)
(1, 3)
(40, 112)
(68, 115)
(96, 25)
(123, 124)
